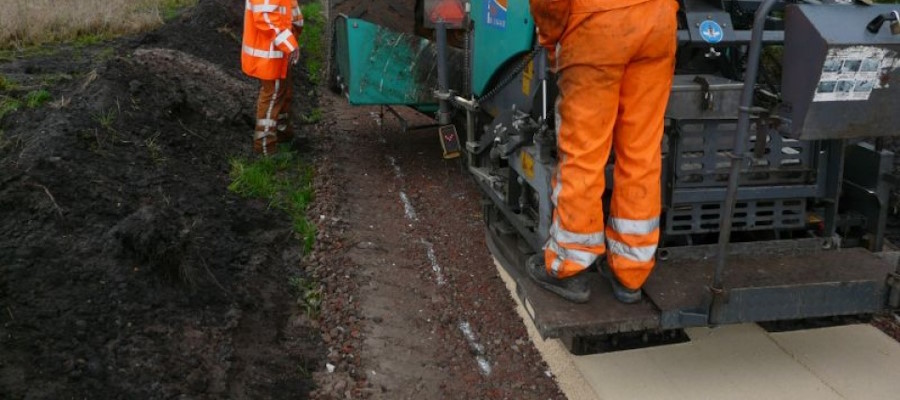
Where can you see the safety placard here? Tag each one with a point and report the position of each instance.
(852, 73)
(495, 13)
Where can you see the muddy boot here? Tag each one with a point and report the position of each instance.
(265, 143)
(622, 293)
(284, 129)
(574, 288)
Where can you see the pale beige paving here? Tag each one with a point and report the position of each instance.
(733, 362)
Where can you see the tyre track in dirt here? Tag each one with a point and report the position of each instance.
(435, 320)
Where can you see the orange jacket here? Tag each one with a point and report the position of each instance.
(297, 19)
(552, 16)
(268, 38)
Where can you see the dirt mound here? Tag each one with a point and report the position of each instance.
(127, 270)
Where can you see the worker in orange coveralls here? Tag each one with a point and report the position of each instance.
(269, 50)
(615, 60)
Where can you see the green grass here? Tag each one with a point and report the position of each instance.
(169, 9)
(37, 98)
(312, 41)
(89, 39)
(8, 105)
(285, 182)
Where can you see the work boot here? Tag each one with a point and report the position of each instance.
(265, 144)
(622, 293)
(574, 288)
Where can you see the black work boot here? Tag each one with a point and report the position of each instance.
(622, 293)
(574, 288)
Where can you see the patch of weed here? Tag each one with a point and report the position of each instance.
(6, 84)
(312, 40)
(169, 9)
(314, 116)
(88, 39)
(309, 295)
(37, 98)
(8, 105)
(155, 150)
(106, 54)
(106, 119)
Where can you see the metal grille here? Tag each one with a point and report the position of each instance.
(701, 149)
(748, 216)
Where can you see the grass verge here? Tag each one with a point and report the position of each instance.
(313, 41)
(25, 23)
(285, 182)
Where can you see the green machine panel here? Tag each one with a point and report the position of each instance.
(503, 29)
(378, 66)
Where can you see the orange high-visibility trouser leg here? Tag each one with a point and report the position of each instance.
(272, 95)
(616, 70)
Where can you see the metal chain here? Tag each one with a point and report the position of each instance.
(509, 78)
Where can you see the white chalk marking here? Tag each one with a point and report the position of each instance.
(483, 363)
(408, 207)
(438, 273)
(397, 172)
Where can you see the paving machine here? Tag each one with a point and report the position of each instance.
(776, 180)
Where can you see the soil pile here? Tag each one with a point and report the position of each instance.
(127, 269)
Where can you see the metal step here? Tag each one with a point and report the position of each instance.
(764, 282)
(555, 317)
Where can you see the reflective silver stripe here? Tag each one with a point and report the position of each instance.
(266, 8)
(634, 226)
(297, 12)
(585, 239)
(579, 257)
(639, 254)
(263, 53)
(282, 37)
(263, 135)
(554, 267)
(266, 123)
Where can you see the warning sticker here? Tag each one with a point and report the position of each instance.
(852, 73)
(495, 13)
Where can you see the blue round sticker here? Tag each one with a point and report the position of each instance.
(711, 31)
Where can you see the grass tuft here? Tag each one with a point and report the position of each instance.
(312, 40)
(37, 98)
(285, 182)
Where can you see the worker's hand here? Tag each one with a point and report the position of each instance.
(298, 30)
(294, 57)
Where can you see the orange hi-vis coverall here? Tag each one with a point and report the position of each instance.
(271, 28)
(615, 61)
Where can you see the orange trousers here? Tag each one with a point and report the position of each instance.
(273, 114)
(615, 73)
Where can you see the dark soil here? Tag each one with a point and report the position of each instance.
(127, 269)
